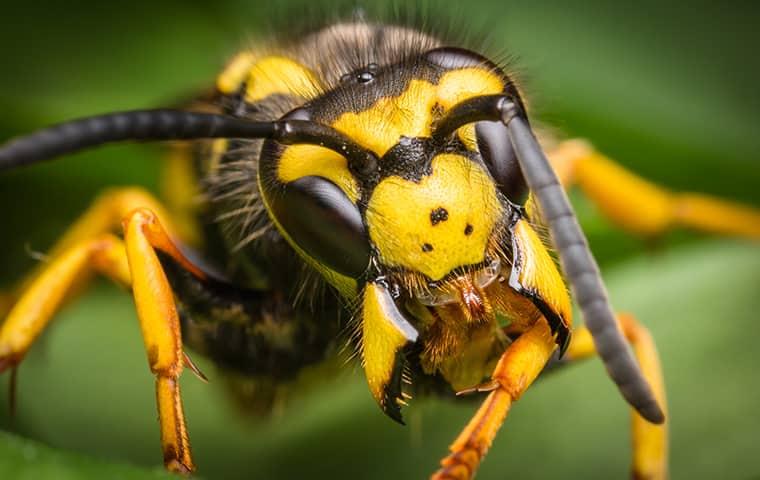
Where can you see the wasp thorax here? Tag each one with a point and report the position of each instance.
(437, 223)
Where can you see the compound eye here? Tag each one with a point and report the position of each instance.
(452, 58)
(319, 217)
(500, 159)
(300, 113)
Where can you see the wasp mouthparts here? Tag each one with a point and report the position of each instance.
(466, 290)
(472, 299)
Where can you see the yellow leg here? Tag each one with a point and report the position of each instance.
(159, 323)
(132, 262)
(29, 316)
(642, 207)
(107, 212)
(517, 369)
(650, 442)
(104, 215)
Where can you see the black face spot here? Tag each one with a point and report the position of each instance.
(426, 247)
(438, 215)
(468, 229)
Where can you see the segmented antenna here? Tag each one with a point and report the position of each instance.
(164, 124)
(139, 125)
(580, 267)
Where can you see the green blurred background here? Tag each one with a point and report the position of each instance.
(670, 91)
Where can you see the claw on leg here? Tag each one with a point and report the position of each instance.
(194, 368)
(489, 386)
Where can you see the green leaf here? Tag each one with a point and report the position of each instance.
(23, 459)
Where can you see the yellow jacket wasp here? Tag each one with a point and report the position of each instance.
(397, 174)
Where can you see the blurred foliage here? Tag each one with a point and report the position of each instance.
(24, 459)
(669, 91)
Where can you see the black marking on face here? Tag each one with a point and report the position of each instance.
(438, 215)
(426, 247)
(386, 81)
(409, 159)
(468, 229)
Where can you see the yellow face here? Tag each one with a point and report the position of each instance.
(429, 224)
(433, 226)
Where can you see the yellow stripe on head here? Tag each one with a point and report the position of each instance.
(467, 136)
(268, 75)
(411, 114)
(379, 127)
(235, 73)
(538, 272)
(299, 161)
(280, 75)
(465, 83)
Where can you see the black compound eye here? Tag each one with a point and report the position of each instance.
(452, 58)
(500, 159)
(300, 113)
(319, 217)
